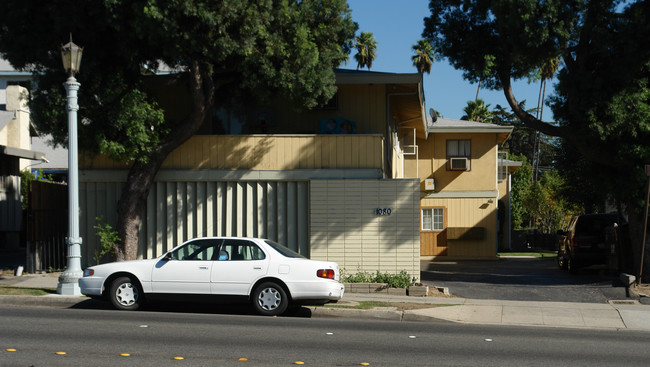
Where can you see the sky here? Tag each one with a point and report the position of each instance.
(397, 26)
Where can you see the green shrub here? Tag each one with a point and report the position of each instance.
(108, 238)
(401, 280)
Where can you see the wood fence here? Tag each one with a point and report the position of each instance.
(46, 227)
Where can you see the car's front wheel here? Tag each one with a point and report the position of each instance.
(270, 299)
(125, 294)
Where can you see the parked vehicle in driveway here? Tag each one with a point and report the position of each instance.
(267, 274)
(589, 239)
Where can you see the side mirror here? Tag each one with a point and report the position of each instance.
(167, 257)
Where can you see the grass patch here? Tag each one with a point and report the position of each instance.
(21, 291)
(539, 255)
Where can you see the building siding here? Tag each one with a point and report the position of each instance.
(469, 213)
(345, 228)
(262, 152)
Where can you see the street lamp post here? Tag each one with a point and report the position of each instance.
(69, 279)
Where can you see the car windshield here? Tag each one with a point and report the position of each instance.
(283, 250)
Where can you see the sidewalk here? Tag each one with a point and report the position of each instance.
(623, 314)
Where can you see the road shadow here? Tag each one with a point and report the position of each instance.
(531, 279)
(197, 307)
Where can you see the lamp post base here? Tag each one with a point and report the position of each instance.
(69, 284)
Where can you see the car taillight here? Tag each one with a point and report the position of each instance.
(325, 273)
(89, 272)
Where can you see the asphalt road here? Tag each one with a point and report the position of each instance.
(523, 279)
(34, 336)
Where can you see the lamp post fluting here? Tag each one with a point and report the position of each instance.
(69, 279)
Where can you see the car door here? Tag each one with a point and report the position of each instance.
(240, 263)
(186, 269)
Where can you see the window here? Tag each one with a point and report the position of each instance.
(332, 104)
(459, 148)
(238, 250)
(433, 219)
(283, 250)
(196, 250)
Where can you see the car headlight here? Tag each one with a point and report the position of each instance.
(89, 272)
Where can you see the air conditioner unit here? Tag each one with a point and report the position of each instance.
(429, 184)
(459, 164)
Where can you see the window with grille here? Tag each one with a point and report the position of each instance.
(433, 219)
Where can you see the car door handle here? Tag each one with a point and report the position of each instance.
(257, 267)
(203, 267)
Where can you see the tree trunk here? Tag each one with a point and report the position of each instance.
(131, 208)
(132, 204)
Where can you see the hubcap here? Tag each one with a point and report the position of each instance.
(126, 294)
(269, 299)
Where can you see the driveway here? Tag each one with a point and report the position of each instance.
(522, 279)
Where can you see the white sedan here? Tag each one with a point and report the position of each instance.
(270, 275)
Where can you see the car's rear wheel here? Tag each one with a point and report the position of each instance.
(270, 299)
(125, 294)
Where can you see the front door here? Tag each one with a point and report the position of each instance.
(188, 268)
(433, 231)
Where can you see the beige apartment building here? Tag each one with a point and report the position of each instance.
(368, 181)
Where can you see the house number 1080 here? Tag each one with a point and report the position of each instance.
(383, 211)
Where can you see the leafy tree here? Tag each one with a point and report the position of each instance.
(366, 50)
(522, 139)
(216, 51)
(545, 203)
(601, 99)
(477, 111)
(423, 58)
(521, 186)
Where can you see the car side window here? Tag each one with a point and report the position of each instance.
(238, 250)
(197, 250)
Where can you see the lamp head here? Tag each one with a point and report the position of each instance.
(71, 56)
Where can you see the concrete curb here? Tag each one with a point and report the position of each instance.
(334, 312)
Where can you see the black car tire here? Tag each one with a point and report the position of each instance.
(125, 294)
(270, 299)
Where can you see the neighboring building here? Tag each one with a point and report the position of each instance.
(15, 155)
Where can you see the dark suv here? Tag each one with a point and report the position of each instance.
(589, 239)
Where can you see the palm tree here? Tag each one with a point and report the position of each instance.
(423, 58)
(488, 64)
(546, 72)
(366, 46)
(477, 111)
